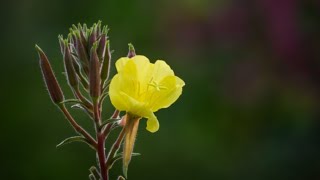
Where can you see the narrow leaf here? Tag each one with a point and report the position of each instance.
(93, 170)
(121, 178)
(71, 101)
(120, 156)
(105, 122)
(75, 139)
(92, 177)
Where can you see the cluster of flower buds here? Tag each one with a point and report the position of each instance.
(86, 55)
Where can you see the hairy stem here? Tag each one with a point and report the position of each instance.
(101, 141)
(115, 147)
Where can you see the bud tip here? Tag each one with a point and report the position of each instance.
(132, 51)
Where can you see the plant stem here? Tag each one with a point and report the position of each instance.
(102, 156)
(101, 141)
(76, 126)
(115, 147)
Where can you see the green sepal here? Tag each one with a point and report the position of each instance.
(75, 139)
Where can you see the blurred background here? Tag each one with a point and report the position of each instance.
(249, 110)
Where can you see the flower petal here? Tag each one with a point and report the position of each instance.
(140, 61)
(121, 63)
(161, 70)
(152, 123)
(125, 82)
(167, 96)
(144, 73)
(117, 100)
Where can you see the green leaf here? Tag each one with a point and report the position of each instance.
(121, 178)
(92, 177)
(71, 101)
(119, 156)
(105, 122)
(94, 172)
(83, 108)
(75, 139)
(103, 96)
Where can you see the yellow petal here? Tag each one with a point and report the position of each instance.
(121, 63)
(161, 70)
(144, 70)
(172, 89)
(117, 100)
(125, 82)
(140, 61)
(152, 123)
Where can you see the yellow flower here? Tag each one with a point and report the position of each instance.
(141, 88)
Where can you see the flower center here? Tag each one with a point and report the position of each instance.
(156, 85)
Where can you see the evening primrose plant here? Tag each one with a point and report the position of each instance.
(138, 90)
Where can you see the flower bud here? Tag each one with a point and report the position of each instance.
(82, 35)
(84, 81)
(93, 36)
(94, 75)
(82, 53)
(61, 43)
(98, 29)
(102, 47)
(105, 69)
(132, 51)
(51, 82)
(69, 68)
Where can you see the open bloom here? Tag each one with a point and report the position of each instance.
(141, 88)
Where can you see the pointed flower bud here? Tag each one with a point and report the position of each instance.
(105, 69)
(93, 36)
(69, 68)
(61, 43)
(132, 51)
(82, 35)
(82, 53)
(102, 47)
(83, 80)
(98, 29)
(94, 75)
(51, 82)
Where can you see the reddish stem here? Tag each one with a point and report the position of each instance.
(101, 141)
(115, 147)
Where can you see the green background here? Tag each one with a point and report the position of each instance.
(249, 110)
